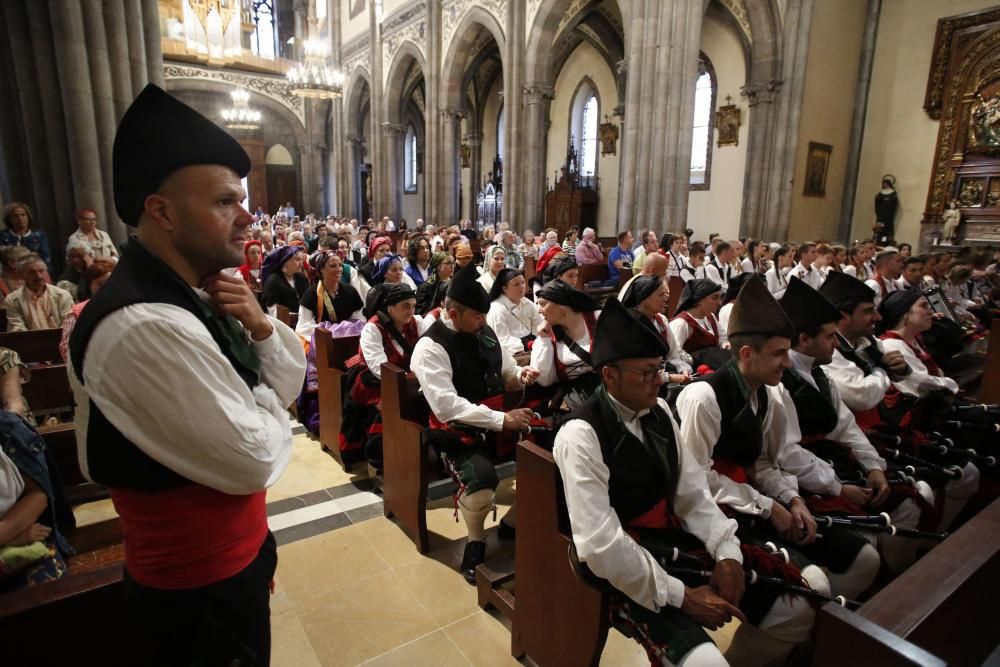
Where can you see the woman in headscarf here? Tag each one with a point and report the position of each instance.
(388, 270)
(695, 326)
(561, 352)
(906, 316)
(250, 270)
(284, 283)
(647, 297)
(546, 257)
(495, 260)
(563, 267)
(329, 299)
(513, 317)
(431, 294)
(388, 337)
(379, 247)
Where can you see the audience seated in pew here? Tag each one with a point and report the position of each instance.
(96, 274)
(283, 282)
(695, 326)
(38, 304)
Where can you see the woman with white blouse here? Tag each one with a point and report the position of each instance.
(495, 260)
(777, 275)
(513, 318)
(906, 315)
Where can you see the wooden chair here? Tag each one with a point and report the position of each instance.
(938, 612)
(557, 619)
(331, 355)
(39, 346)
(405, 454)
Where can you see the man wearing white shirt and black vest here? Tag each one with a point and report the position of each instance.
(632, 492)
(888, 269)
(720, 268)
(181, 383)
(804, 270)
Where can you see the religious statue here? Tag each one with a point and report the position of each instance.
(971, 194)
(952, 218)
(607, 134)
(984, 128)
(465, 155)
(886, 205)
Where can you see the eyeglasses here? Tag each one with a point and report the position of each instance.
(647, 374)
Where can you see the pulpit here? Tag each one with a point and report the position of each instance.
(572, 199)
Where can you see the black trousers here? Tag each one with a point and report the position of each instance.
(227, 623)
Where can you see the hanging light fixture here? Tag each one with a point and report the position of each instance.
(241, 116)
(313, 77)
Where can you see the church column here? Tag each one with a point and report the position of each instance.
(451, 125)
(355, 158)
(300, 14)
(393, 156)
(336, 183)
(381, 194)
(475, 141)
(513, 140)
(537, 97)
(432, 116)
(774, 131)
(621, 77)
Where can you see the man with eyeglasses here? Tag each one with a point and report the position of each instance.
(100, 243)
(633, 491)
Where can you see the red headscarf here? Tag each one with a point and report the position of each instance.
(245, 268)
(546, 257)
(379, 241)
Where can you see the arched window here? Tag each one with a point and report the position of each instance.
(701, 140)
(500, 133)
(584, 119)
(410, 161)
(263, 37)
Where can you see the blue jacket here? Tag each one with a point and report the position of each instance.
(25, 447)
(35, 241)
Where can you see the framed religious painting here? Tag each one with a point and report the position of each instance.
(817, 166)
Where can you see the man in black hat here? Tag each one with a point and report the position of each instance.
(463, 371)
(188, 458)
(630, 488)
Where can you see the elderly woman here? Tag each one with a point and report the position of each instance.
(431, 294)
(100, 242)
(329, 299)
(250, 269)
(495, 260)
(647, 298)
(695, 327)
(78, 257)
(95, 275)
(513, 318)
(17, 217)
(284, 283)
(561, 352)
(388, 337)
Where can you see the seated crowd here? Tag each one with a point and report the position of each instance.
(730, 427)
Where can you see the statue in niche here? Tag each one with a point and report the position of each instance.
(886, 205)
(465, 155)
(607, 134)
(984, 127)
(952, 218)
(971, 194)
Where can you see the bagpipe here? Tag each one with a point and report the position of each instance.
(881, 523)
(933, 453)
(683, 564)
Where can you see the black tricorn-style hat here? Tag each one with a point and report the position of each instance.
(158, 135)
(756, 312)
(845, 291)
(617, 335)
(696, 290)
(806, 308)
(466, 289)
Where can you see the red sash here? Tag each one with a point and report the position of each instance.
(364, 394)
(189, 537)
(590, 321)
(925, 358)
(730, 469)
(659, 516)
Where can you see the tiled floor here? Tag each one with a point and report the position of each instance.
(351, 588)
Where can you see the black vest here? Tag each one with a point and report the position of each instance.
(476, 360)
(642, 473)
(140, 277)
(817, 415)
(742, 438)
(867, 359)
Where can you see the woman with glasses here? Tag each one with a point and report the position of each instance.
(647, 297)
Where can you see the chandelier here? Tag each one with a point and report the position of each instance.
(241, 116)
(312, 77)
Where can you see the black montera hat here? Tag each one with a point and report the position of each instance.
(618, 336)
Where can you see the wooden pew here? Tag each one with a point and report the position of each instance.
(286, 317)
(529, 268)
(47, 392)
(405, 454)
(557, 619)
(990, 392)
(676, 286)
(331, 354)
(589, 273)
(39, 346)
(940, 611)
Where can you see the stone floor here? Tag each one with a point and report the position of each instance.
(351, 588)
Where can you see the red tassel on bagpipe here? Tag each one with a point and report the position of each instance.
(770, 565)
(832, 505)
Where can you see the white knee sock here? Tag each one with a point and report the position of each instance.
(957, 493)
(475, 508)
(702, 655)
(858, 577)
(510, 518)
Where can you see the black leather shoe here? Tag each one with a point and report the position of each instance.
(505, 531)
(475, 553)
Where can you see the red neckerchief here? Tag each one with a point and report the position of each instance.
(925, 358)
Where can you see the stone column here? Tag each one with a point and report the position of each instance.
(451, 124)
(432, 116)
(774, 129)
(68, 72)
(336, 184)
(355, 158)
(393, 156)
(858, 121)
(621, 77)
(475, 141)
(300, 13)
(537, 97)
(514, 147)
(381, 195)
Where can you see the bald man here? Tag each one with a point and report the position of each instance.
(655, 265)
